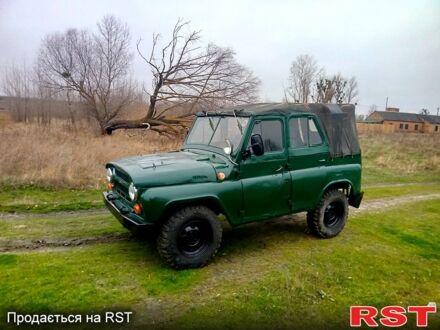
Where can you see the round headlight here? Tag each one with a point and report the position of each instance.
(110, 173)
(132, 191)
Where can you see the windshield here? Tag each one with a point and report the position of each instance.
(214, 131)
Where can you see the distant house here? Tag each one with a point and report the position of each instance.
(392, 120)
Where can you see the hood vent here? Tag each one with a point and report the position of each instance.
(200, 178)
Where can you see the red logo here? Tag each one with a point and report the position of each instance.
(390, 316)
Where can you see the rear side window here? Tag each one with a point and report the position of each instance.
(303, 132)
(272, 133)
(314, 137)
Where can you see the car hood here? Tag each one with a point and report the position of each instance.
(170, 168)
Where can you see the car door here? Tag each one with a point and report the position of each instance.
(308, 154)
(266, 179)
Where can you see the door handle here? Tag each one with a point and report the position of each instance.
(321, 160)
(281, 167)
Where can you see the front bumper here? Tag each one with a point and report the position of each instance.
(121, 212)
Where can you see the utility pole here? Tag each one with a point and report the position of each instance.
(386, 104)
(438, 108)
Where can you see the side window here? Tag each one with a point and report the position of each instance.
(272, 133)
(303, 132)
(298, 132)
(314, 137)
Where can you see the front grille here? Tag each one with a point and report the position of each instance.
(120, 183)
(121, 190)
(124, 176)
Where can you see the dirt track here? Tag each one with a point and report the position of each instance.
(51, 244)
(381, 204)
(43, 244)
(61, 214)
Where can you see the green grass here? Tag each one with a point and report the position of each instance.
(374, 174)
(265, 276)
(391, 258)
(42, 200)
(371, 192)
(54, 228)
(100, 277)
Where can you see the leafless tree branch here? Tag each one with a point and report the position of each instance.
(190, 76)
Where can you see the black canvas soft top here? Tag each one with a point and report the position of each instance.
(338, 121)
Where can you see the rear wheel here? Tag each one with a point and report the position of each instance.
(190, 237)
(329, 218)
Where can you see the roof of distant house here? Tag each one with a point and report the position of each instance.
(431, 119)
(411, 117)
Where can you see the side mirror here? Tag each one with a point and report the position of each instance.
(257, 145)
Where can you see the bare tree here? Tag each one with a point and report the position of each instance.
(336, 89)
(303, 72)
(308, 82)
(187, 76)
(351, 90)
(424, 111)
(94, 66)
(360, 118)
(373, 108)
(16, 82)
(324, 90)
(339, 84)
(44, 103)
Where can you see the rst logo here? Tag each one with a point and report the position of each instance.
(390, 316)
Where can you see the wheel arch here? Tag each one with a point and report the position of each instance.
(354, 199)
(346, 185)
(211, 202)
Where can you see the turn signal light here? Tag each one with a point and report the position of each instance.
(221, 176)
(109, 186)
(137, 208)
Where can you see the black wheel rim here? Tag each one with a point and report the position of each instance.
(194, 237)
(334, 213)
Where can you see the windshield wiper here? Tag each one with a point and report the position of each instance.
(214, 130)
(211, 124)
(240, 127)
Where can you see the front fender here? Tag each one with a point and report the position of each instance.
(224, 197)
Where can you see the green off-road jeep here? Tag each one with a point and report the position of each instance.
(249, 163)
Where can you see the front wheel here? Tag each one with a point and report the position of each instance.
(329, 218)
(190, 237)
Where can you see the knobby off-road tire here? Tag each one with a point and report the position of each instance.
(329, 218)
(190, 237)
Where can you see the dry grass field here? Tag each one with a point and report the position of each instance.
(59, 156)
(4, 118)
(400, 157)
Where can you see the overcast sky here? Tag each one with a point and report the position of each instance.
(392, 47)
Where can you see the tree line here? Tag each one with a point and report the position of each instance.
(91, 71)
(309, 83)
